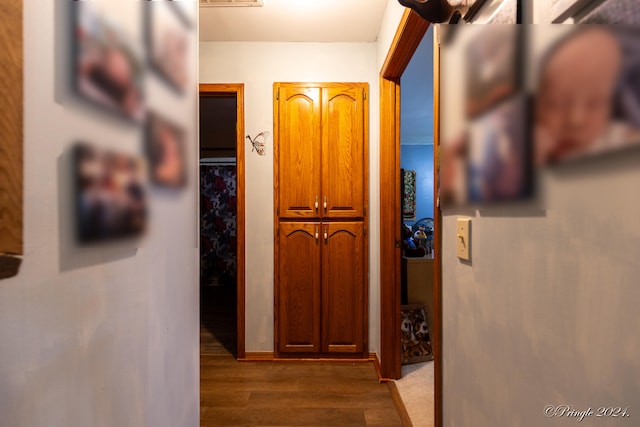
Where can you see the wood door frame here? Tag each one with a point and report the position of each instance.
(214, 89)
(408, 36)
(11, 148)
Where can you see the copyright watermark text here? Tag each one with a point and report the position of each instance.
(568, 411)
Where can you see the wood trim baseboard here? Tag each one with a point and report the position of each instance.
(257, 356)
(399, 404)
(373, 358)
(269, 356)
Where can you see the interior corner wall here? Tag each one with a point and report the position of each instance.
(546, 313)
(388, 27)
(258, 65)
(105, 336)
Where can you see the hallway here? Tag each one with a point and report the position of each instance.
(300, 394)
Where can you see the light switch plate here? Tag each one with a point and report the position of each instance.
(463, 243)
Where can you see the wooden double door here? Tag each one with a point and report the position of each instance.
(321, 202)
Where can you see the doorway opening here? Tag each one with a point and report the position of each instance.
(221, 186)
(408, 37)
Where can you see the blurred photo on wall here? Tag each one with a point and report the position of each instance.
(587, 96)
(167, 37)
(108, 67)
(110, 194)
(165, 146)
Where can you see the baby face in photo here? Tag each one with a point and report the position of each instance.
(575, 97)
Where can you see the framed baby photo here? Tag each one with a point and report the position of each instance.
(587, 99)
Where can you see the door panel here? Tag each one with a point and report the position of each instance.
(343, 293)
(298, 293)
(343, 147)
(299, 151)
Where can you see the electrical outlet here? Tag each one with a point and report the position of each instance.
(462, 238)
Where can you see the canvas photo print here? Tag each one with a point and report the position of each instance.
(167, 34)
(165, 145)
(588, 93)
(110, 194)
(493, 70)
(108, 68)
(453, 171)
(498, 165)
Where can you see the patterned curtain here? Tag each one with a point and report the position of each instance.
(218, 251)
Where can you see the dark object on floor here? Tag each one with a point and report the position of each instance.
(415, 335)
(418, 252)
(435, 11)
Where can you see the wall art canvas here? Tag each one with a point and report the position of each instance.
(588, 94)
(167, 36)
(498, 167)
(108, 66)
(493, 71)
(409, 195)
(453, 171)
(110, 194)
(165, 147)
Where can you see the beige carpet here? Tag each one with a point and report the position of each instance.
(417, 393)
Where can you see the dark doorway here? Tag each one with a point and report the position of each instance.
(218, 224)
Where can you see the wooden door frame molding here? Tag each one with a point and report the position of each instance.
(213, 89)
(408, 36)
(11, 147)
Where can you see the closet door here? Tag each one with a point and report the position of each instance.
(343, 150)
(343, 287)
(298, 287)
(298, 151)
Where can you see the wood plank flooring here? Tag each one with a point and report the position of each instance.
(218, 334)
(302, 394)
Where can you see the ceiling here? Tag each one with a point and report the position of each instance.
(294, 21)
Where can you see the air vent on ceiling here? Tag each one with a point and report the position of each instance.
(231, 3)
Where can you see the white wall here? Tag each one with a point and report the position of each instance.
(546, 313)
(103, 336)
(388, 27)
(258, 66)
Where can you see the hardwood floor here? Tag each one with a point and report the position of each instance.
(218, 334)
(303, 394)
